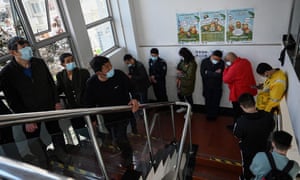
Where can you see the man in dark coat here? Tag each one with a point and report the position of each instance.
(28, 86)
(253, 129)
(157, 73)
(111, 87)
(211, 71)
(72, 82)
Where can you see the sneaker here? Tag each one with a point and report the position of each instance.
(180, 110)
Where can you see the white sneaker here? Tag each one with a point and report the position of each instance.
(180, 110)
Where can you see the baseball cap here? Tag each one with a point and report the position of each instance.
(12, 43)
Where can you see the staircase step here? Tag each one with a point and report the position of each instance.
(220, 163)
(212, 168)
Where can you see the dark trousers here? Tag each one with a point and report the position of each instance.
(8, 143)
(188, 99)
(6, 137)
(160, 91)
(142, 96)
(247, 159)
(212, 102)
(54, 130)
(118, 130)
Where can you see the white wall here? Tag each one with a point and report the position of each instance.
(155, 26)
(293, 98)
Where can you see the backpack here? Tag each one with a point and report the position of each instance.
(276, 174)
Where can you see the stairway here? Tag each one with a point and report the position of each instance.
(214, 168)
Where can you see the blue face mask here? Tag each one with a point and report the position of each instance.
(214, 61)
(129, 65)
(26, 53)
(110, 73)
(154, 58)
(70, 66)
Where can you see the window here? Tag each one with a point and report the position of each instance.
(44, 18)
(9, 26)
(99, 22)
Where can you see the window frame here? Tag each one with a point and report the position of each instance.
(109, 19)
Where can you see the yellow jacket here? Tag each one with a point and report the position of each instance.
(273, 90)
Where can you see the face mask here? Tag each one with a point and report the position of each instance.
(26, 53)
(110, 73)
(153, 58)
(214, 61)
(228, 63)
(70, 66)
(129, 65)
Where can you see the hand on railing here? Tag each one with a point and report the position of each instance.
(135, 105)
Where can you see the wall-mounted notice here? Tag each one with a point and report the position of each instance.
(240, 24)
(188, 27)
(212, 26)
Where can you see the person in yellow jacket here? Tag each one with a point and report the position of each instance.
(273, 89)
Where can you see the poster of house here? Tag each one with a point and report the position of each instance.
(213, 26)
(240, 25)
(188, 27)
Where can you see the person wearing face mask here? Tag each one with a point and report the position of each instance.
(273, 88)
(157, 75)
(186, 77)
(139, 78)
(239, 77)
(211, 71)
(112, 87)
(72, 82)
(28, 86)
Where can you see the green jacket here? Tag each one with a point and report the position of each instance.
(187, 80)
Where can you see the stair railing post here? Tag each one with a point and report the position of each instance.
(183, 136)
(96, 146)
(173, 121)
(148, 136)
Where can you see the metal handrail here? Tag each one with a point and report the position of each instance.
(13, 119)
(12, 169)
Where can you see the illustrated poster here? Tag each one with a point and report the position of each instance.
(213, 26)
(188, 27)
(240, 24)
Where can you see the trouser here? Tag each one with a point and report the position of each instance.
(142, 96)
(212, 102)
(54, 130)
(188, 99)
(79, 126)
(247, 159)
(118, 129)
(8, 143)
(160, 91)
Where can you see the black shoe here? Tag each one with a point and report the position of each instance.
(229, 127)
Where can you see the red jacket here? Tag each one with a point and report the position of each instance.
(240, 79)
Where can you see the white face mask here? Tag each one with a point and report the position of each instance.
(214, 61)
(228, 63)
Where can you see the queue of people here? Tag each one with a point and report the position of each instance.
(28, 86)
